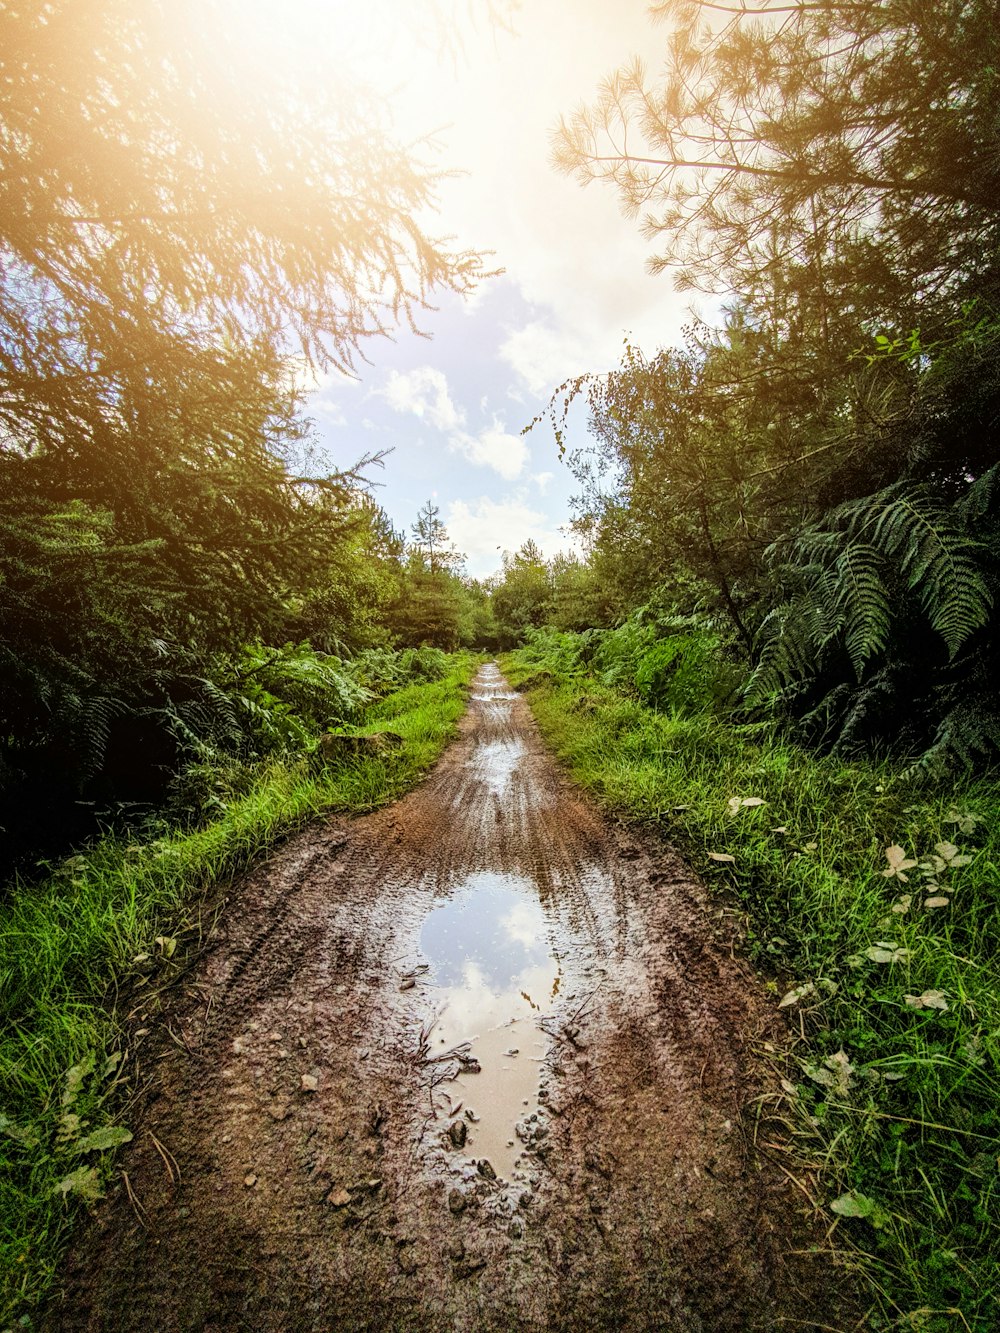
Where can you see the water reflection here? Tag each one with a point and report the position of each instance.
(495, 975)
(495, 763)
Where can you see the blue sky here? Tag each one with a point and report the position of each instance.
(452, 406)
(452, 410)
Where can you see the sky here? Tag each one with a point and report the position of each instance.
(452, 406)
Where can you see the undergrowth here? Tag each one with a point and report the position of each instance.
(122, 919)
(873, 904)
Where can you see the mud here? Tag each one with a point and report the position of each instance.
(480, 1061)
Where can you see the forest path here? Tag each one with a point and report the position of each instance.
(478, 1061)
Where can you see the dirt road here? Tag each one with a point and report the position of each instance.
(479, 1061)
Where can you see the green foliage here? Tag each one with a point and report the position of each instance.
(892, 605)
(228, 221)
(522, 596)
(820, 470)
(871, 902)
(318, 690)
(686, 672)
(675, 663)
(428, 609)
(830, 159)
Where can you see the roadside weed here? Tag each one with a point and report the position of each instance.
(124, 918)
(872, 904)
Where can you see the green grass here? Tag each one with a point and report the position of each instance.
(68, 949)
(910, 1132)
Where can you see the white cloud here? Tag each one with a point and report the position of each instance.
(574, 257)
(495, 448)
(542, 480)
(323, 388)
(423, 392)
(543, 355)
(485, 528)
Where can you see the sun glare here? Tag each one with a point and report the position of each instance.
(391, 47)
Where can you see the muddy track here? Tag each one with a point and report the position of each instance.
(479, 1061)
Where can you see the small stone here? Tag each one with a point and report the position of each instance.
(468, 1267)
(310, 1083)
(407, 983)
(485, 1169)
(456, 1250)
(250, 1180)
(338, 1197)
(458, 1132)
(456, 1201)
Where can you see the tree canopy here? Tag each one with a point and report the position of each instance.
(192, 224)
(819, 135)
(820, 473)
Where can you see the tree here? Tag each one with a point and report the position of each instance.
(429, 607)
(187, 220)
(523, 597)
(847, 140)
(580, 599)
(431, 542)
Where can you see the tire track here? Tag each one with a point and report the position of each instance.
(325, 1179)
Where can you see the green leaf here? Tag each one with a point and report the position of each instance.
(99, 1140)
(75, 1078)
(966, 822)
(83, 1182)
(853, 1204)
(834, 1073)
(26, 1135)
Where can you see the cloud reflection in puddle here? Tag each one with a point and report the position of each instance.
(493, 974)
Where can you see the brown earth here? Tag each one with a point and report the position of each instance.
(312, 1162)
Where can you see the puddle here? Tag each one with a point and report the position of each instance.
(493, 975)
(495, 763)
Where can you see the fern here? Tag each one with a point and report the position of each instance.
(863, 599)
(894, 590)
(938, 562)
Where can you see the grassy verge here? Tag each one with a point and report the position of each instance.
(875, 906)
(105, 920)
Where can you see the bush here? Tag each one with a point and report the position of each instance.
(671, 662)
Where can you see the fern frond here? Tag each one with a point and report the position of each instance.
(938, 562)
(863, 599)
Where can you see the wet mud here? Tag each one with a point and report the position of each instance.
(480, 1061)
